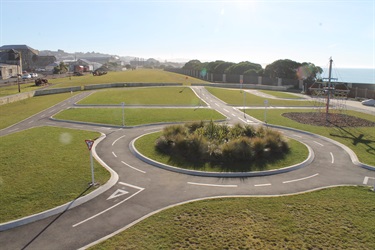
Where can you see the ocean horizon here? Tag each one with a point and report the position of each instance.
(351, 75)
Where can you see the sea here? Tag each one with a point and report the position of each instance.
(351, 75)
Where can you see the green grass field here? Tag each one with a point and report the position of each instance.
(139, 75)
(137, 116)
(17, 111)
(360, 139)
(236, 97)
(42, 168)
(145, 96)
(336, 218)
(146, 146)
(13, 89)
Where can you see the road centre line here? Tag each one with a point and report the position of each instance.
(297, 135)
(242, 120)
(53, 110)
(211, 185)
(263, 185)
(114, 154)
(333, 158)
(31, 121)
(106, 210)
(318, 143)
(226, 110)
(113, 143)
(12, 130)
(217, 104)
(233, 114)
(301, 179)
(133, 167)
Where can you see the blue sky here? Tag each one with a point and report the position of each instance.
(255, 31)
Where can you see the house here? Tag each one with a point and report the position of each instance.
(8, 70)
(86, 65)
(30, 59)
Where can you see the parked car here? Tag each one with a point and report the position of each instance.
(26, 76)
(33, 75)
(369, 102)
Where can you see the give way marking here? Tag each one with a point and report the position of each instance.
(117, 193)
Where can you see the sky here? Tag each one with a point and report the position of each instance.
(260, 31)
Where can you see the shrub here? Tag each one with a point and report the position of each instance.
(258, 147)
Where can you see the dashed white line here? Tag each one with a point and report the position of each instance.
(114, 154)
(226, 110)
(242, 120)
(53, 110)
(297, 136)
(301, 179)
(211, 185)
(113, 143)
(31, 121)
(143, 172)
(333, 158)
(233, 114)
(12, 130)
(318, 143)
(263, 185)
(217, 104)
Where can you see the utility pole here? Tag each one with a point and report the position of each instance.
(329, 91)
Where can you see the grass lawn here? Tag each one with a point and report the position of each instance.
(137, 116)
(17, 111)
(13, 89)
(144, 96)
(280, 94)
(146, 146)
(342, 219)
(48, 169)
(236, 97)
(361, 139)
(139, 75)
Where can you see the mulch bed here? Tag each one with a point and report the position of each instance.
(334, 120)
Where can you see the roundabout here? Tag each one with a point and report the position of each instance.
(138, 189)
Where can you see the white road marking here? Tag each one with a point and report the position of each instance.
(53, 110)
(297, 136)
(242, 120)
(211, 185)
(263, 185)
(233, 114)
(31, 121)
(318, 143)
(107, 128)
(365, 180)
(226, 110)
(217, 104)
(106, 210)
(113, 143)
(114, 154)
(133, 167)
(149, 129)
(12, 130)
(117, 193)
(301, 179)
(333, 158)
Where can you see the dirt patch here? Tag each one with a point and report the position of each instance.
(334, 120)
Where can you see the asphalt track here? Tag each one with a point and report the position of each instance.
(140, 189)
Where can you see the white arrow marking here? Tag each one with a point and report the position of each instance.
(117, 193)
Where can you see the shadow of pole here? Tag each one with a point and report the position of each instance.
(57, 217)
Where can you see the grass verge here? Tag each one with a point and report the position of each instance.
(48, 169)
(342, 219)
(13, 88)
(137, 116)
(280, 94)
(360, 139)
(146, 146)
(17, 111)
(144, 96)
(236, 97)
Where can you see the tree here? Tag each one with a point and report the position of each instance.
(283, 69)
(241, 67)
(221, 67)
(61, 68)
(309, 72)
(193, 65)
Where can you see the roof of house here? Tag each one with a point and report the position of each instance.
(18, 47)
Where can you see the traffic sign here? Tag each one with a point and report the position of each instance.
(89, 144)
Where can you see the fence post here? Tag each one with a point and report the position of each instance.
(224, 78)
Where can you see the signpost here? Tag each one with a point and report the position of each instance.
(265, 110)
(89, 144)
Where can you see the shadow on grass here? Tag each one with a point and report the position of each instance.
(356, 137)
(57, 217)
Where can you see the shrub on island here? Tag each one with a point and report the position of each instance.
(216, 144)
